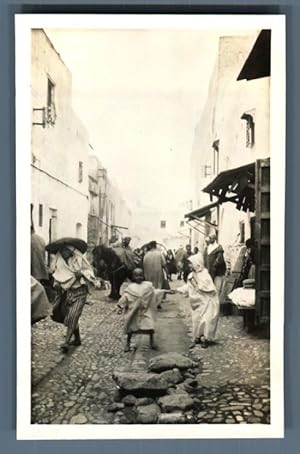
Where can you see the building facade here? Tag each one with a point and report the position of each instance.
(60, 146)
(109, 214)
(167, 227)
(232, 132)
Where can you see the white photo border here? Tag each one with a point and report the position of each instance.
(23, 25)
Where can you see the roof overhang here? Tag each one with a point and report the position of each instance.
(258, 63)
(236, 186)
(201, 212)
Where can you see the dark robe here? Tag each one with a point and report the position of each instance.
(215, 262)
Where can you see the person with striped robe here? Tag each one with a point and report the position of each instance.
(73, 277)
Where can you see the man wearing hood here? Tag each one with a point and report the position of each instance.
(204, 301)
(214, 260)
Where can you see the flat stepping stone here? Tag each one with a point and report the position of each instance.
(169, 361)
(175, 402)
(141, 383)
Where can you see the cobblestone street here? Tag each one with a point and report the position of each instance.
(78, 387)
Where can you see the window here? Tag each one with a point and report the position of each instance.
(250, 129)
(80, 172)
(163, 224)
(181, 224)
(50, 93)
(52, 225)
(78, 230)
(40, 215)
(51, 112)
(94, 206)
(215, 147)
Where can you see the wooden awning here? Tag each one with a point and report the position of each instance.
(201, 212)
(236, 186)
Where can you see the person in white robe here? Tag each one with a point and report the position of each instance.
(138, 305)
(204, 302)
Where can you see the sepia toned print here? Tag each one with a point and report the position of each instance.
(150, 176)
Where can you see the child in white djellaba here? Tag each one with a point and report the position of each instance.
(204, 302)
(139, 304)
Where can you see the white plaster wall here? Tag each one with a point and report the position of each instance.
(57, 150)
(72, 208)
(221, 120)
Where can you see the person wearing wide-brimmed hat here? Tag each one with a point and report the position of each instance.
(72, 276)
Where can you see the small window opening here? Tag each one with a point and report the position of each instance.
(80, 172)
(250, 130)
(40, 215)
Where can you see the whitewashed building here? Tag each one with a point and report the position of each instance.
(60, 146)
(167, 227)
(233, 131)
(231, 160)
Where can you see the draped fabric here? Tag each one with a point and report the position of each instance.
(204, 300)
(64, 273)
(38, 263)
(40, 306)
(139, 302)
(68, 306)
(153, 264)
(214, 260)
(72, 291)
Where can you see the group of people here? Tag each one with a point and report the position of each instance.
(202, 274)
(72, 276)
(140, 300)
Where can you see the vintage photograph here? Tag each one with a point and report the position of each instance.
(150, 160)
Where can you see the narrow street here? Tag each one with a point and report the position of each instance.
(78, 388)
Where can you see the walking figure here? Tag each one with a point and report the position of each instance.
(204, 302)
(138, 304)
(72, 276)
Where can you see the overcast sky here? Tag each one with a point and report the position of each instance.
(140, 95)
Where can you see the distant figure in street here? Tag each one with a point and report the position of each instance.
(129, 259)
(115, 242)
(171, 264)
(204, 302)
(154, 266)
(126, 242)
(214, 261)
(73, 276)
(248, 266)
(196, 250)
(38, 258)
(179, 259)
(139, 255)
(185, 262)
(138, 304)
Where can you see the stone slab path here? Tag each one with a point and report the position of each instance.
(78, 387)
